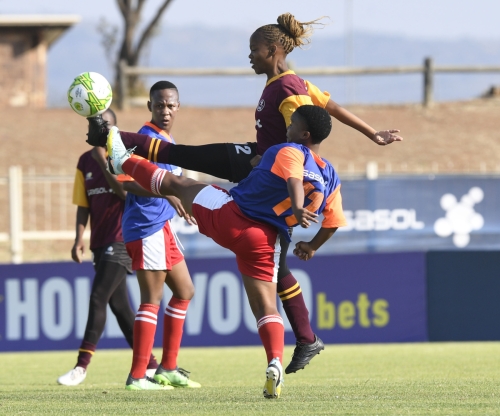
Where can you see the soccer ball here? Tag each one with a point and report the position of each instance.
(90, 94)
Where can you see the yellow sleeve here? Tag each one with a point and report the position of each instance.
(290, 104)
(79, 193)
(318, 97)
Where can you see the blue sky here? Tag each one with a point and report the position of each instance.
(426, 19)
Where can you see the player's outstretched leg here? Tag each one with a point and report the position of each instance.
(212, 159)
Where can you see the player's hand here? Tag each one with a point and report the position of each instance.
(77, 251)
(385, 137)
(179, 208)
(303, 251)
(254, 161)
(305, 217)
(190, 219)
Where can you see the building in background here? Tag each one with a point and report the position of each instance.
(24, 42)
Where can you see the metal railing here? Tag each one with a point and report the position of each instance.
(39, 209)
(40, 205)
(428, 69)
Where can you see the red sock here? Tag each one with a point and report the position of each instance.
(295, 308)
(144, 337)
(85, 354)
(272, 334)
(148, 147)
(146, 174)
(173, 322)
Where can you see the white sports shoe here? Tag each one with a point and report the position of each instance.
(73, 377)
(274, 379)
(150, 372)
(117, 152)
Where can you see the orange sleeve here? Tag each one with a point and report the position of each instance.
(318, 97)
(290, 104)
(79, 193)
(289, 163)
(333, 212)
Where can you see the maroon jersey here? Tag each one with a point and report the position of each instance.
(91, 190)
(281, 96)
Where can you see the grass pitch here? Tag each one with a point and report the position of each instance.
(392, 379)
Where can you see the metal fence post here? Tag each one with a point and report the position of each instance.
(372, 170)
(16, 213)
(428, 81)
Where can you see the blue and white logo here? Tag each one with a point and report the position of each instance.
(460, 219)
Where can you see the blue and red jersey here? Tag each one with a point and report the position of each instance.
(144, 216)
(282, 95)
(263, 195)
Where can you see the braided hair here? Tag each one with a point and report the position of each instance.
(289, 32)
(319, 122)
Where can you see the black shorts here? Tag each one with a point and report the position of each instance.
(240, 155)
(114, 253)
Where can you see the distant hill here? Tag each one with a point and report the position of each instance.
(80, 50)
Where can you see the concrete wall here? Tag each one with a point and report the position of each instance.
(23, 57)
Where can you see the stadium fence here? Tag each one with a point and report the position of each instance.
(428, 69)
(37, 206)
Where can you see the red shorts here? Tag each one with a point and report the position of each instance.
(158, 251)
(255, 244)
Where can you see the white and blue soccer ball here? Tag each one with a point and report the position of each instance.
(90, 94)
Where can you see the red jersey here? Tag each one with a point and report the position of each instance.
(282, 95)
(91, 190)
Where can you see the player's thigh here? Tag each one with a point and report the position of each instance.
(261, 296)
(151, 285)
(179, 281)
(109, 274)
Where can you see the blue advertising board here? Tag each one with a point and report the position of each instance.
(416, 213)
(351, 298)
(463, 290)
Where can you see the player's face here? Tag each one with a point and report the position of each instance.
(164, 105)
(109, 119)
(297, 130)
(260, 57)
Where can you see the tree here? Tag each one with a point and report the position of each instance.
(132, 43)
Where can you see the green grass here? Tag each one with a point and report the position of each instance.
(381, 379)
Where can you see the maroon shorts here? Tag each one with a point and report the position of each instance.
(255, 244)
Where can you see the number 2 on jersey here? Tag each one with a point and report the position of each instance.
(244, 149)
(316, 198)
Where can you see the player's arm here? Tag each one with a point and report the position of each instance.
(136, 189)
(78, 249)
(82, 214)
(99, 155)
(295, 188)
(334, 218)
(382, 137)
(322, 99)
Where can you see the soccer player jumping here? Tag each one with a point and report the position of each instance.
(291, 185)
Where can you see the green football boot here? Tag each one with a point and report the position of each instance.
(145, 383)
(176, 378)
